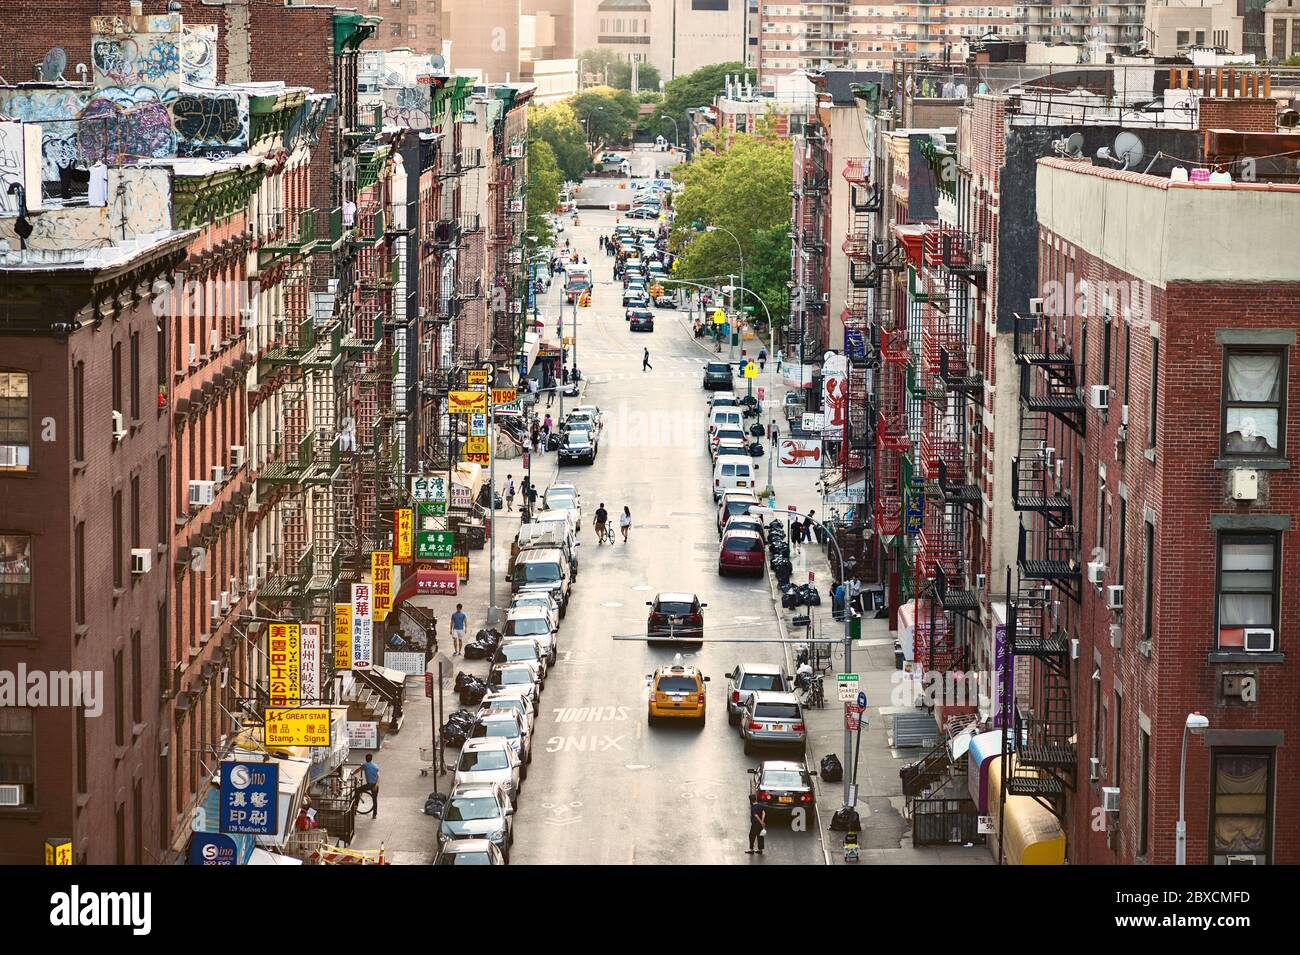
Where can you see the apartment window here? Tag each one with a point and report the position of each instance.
(1253, 405)
(119, 831)
(117, 376)
(1241, 816)
(119, 700)
(137, 819)
(137, 680)
(160, 356)
(15, 584)
(1200, 38)
(135, 375)
(1097, 718)
(82, 774)
(1153, 400)
(18, 752)
(397, 29)
(1248, 586)
(1119, 739)
(1105, 350)
(164, 797)
(1119, 544)
(1148, 578)
(79, 411)
(161, 504)
(135, 511)
(1128, 358)
(1182, 38)
(79, 571)
(413, 31)
(118, 544)
(15, 420)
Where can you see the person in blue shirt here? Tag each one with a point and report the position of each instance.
(371, 772)
(458, 623)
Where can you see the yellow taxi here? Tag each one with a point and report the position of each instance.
(677, 692)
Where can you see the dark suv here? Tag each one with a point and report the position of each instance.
(675, 616)
(717, 374)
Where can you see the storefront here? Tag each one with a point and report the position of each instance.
(1028, 832)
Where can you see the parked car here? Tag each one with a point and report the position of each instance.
(536, 599)
(675, 617)
(734, 502)
(544, 569)
(732, 434)
(723, 400)
(566, 499)
(641, 321)
(730, 445)
(665, 301)
(644, 212)
(523, 650)
(534, 623)
(717, 374)
(587, 422)
(677, 691)
(576, 446)
(511, 727)
(746, 679)
(517, 675)
(772, 719)
(509, 700)
(745, 522)
(484, 762)
(547, 529)
(479, 812)
(636, 297)
(742, 551)
(591, 411)
(469, 852)
(783, 786)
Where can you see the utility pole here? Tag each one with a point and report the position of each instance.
(492, 614)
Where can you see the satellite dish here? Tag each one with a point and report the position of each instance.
(437, 62)
(1128, 149)
(1074, 145)
(53, 64)
(394, 78)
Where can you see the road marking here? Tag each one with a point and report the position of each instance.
(746, 619)
(584, 744)
(642, 587)
(589, 714)
(562, 814)
(612, 603)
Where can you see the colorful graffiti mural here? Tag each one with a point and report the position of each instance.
(210, 121)
(122, 126)
(57, 111)
(408, 107)
(20, 164)
(199, 54)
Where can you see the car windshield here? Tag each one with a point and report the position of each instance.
(528, 627)
(576, 439)
(740, 507)
(732, 433)
(516, 706)
(676, 684)
(469, 858)
(513, 677)
(784, 779)
(761, 681)
(466, 808)
(516, 652)
(716, 368)
(540, 573)
(675, 607)
(777, 711)
(743, 545)
(496, 729)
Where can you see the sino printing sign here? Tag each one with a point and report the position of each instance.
(250, 798)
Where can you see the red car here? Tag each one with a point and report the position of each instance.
(741, 550)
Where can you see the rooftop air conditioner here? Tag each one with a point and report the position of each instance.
(141, 560)
(1258, 640)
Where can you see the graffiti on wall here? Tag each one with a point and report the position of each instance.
(122, 125)
(408, 107)
(147, 59)
(57, 111)
(20, 164)
(199, 54)
(210, 121)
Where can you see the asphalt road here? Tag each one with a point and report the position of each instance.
(603, 786)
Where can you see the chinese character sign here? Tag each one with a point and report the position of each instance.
(343, 636)
(381, 577)
(303, 726)
(434, 545)
(310, 655)
(403, 531)
(250, 798)
(429, 487)
(362, 627)
(284, 650)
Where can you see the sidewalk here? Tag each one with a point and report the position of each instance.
(886, 834)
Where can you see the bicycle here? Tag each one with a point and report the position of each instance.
(814, 691)
(605, 535)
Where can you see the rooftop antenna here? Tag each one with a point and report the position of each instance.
(53, 64)
(1072, 146)
(1127, 152)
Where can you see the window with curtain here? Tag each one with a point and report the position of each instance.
(15, 584)
(1253, 402)
(15, 420)
(1248, 586)
(1241, 814)
(18, 751)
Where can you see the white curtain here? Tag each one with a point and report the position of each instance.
(1253, 378)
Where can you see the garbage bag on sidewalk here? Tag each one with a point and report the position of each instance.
(846, 820)
(434, 804)
(832, 771)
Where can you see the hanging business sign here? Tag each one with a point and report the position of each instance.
(913, 511)
(835, 395)
(298, 726)
(460, 497)
(799, 453)
(310, 668)
(478, 425)
(434, 545)
(466, 402)
(284, 653)
(504, 396)
(513, 409)
(58, 852)
(363, 627)
(429, 488)
(476, 377)
(212, 848)
(250, 798)
(475, 445)
(403, 535)
(343, 636)
(381, 579)
(460, 564)
(363, 734)
(476, 457)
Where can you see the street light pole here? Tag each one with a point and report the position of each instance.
(1197, 724)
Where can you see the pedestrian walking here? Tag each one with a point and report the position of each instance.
(779, 356)
(550, 393)
(645, 361)
(855, 595)
(837, 600)
(762, 359)
(534, 430)
(370, 771)
(773, 431)
(458, 622)
(757, 825)
(547, 427)
(812, 528)
(532, 498)
(510, 492)
(625, 522)
(796, 535)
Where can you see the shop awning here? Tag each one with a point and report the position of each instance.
(983, 749)
(427, 583)
(1031, 834)
(528, 354)
(262, 857)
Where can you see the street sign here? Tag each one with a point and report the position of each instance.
(434, 545)
(850, 717)
(430, 487)
(750, 370)
(813, 421)
(298, 726)
(719, 317)
(478, 425)
(862, 700)
(848, 687)
(466, 402)
(250, 798)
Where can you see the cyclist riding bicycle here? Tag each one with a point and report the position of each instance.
(602, 517)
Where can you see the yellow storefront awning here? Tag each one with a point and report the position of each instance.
(1032, 836)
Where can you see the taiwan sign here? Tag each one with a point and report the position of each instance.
(284, 652)
(403, 535)
(430, 488)
(381, 577)
(250, 798)
(434, 545)
(363, 628)
(467, 402)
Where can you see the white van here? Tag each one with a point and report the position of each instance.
(726, 417)
(549, 533)
(732, 472)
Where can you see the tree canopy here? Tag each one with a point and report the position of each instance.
(558, 126)
(691, 91)
(545, 181)
(609, 113)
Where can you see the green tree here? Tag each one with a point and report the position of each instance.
(743, 189)
(609, 113)
(692, 91)
(544, 183)
(614, 71)
(560, 128)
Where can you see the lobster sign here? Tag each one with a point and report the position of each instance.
(796, 453)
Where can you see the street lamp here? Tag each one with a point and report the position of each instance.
(850, 768)
(594, 111)
(1198, 724)
(493, 614)
(677, 133)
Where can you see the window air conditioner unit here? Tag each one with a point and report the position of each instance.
(218, 474)
(236, 457)
(194, 353)
(234, 587)
(1258, 640)
(1115, 597)
(246, 318)
(225, 601)
(1094, 769)
(252, 582)
(11, 795)
(981, 581)
(214, 612)
(1232, 860)
(1099, 397)
(198, 558)
(1035, 306)
(1096, 570)
(1116, 636)
(201, 493)
(141, 560)
(119, 426)
(1074, 648)
(1123, 415)
(1110, 798)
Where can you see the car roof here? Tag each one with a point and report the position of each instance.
(457, 846)
(773, 696)
(521, 613)
(500, 716)
(772, 668)
(505, 693)
(515, 665)
(484, 742)
(540, 554)
(561, 486)
(474, 790)
(737, 494)
(675, 595)
(741, 533)
(782, 765)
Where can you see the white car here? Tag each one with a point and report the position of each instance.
(591, 410)
(483, 762)
(543, 600)
(514, 701)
